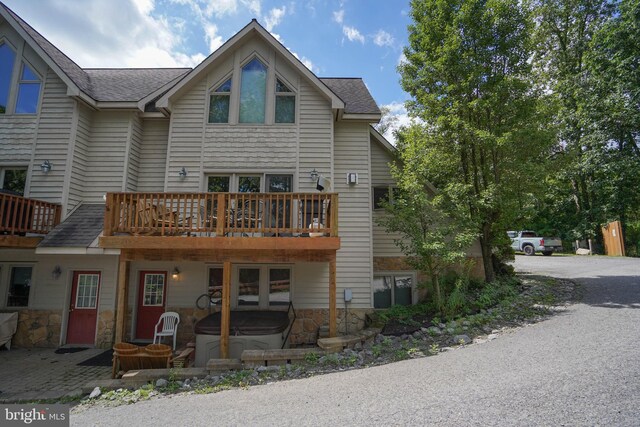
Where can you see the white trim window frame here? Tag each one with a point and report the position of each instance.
(388, 189)
(234, 179)
(3, 173)
(222, 89)
(389, 293)
(263, 300)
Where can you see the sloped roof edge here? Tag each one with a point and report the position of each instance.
(336, 102)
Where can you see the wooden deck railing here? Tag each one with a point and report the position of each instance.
(19, 215)
(222, 214)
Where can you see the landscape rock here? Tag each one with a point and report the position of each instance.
(162, 382)
(95, 393)
(462, 339)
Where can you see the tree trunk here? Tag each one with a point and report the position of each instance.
(487, 261)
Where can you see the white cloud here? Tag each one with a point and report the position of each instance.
(212, 37)
(382, 38)
(352, 34)
(338, 16)
(274, 17)
(119, 33)
(397, 109)
(402, 59)
(306, 61)
(220, 8)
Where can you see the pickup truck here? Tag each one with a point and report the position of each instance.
(529, 243)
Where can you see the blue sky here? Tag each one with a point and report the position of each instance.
(349, 38)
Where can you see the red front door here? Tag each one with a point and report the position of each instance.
(83, 307)
(151, 300)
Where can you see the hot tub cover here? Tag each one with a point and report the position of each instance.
(245, 323)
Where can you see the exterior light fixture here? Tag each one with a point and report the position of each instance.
(176, 273)
(45, 166)
(57, 271)
(183, 173)
(314, 175)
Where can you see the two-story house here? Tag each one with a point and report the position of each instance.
(129, 192)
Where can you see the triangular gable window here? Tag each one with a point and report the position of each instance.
(7, 58)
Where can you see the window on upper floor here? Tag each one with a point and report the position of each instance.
(26, 92)
(219, 102)
(285, 103)
(7, 59)
(13, 179)
(253, 92)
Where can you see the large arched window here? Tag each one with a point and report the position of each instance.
(253, 91)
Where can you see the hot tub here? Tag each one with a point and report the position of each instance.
(249, 330)
(8, 326)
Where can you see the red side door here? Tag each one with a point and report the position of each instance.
(83, 307)
(152, 295)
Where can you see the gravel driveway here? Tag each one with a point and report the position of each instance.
(578, 368)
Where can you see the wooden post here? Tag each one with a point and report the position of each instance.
(226, 310)
(121, 313)
(220, 213)
(332, 298)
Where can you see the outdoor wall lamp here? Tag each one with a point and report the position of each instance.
(314, 175)
(57, 271)
(45, 166)
(183, 173)
(175, 274)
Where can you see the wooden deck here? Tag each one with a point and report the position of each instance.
(20, 216)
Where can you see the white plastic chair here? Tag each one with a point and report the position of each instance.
(169, 321)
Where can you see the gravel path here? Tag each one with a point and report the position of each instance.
(577, 368)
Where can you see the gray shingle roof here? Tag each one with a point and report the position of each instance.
(78, 230)
(130, 84)
(125, 85)
(354, 93)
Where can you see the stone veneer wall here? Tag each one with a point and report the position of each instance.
(306, 328)
(38, 328)
(106, 329)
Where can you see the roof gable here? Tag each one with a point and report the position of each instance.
(249, 30)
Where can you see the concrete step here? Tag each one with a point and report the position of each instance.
(221, 365)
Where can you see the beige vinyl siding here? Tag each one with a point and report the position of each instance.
(311, 285)
(106, 155)
(258, 148)
(79, 167)
(48, 293)
(53, 138)
(185, 145)
(383, 242)
(135, 147)
(316, 135)
(354, 260)
(16, 138)
(153, 155)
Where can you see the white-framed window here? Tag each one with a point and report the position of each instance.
(23, 89)
(250, 95)
(219, 102)
(87, 291)
(250, 183)
(20, 277)
(154, 288)
(13, 179)
(254, 286)
(393, 288)
(285, 109)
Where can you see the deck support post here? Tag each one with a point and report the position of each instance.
(226, 310)
(121, 313)
(332, 298)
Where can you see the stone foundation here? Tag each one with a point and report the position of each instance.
(38, 328)
(106, 328)
(306, 328)
(188, 318)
